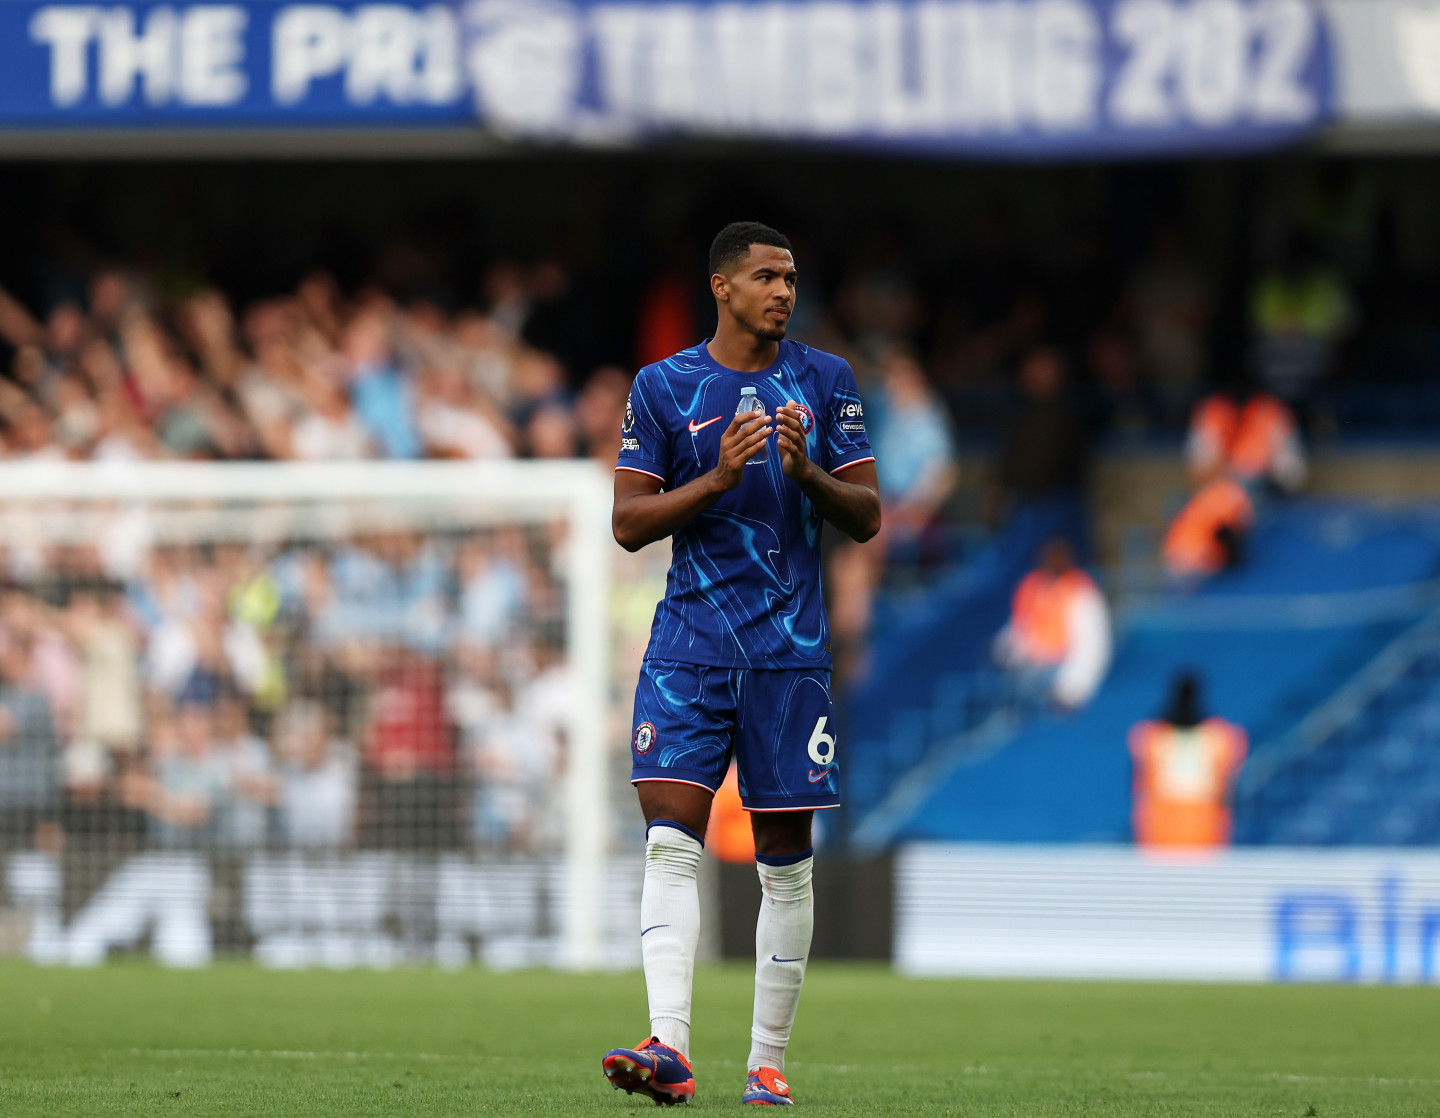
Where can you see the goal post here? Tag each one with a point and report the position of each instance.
(546, 523)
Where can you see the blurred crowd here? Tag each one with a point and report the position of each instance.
(1019, 367)
(1042, 354)
(309, 376)
(392, 690)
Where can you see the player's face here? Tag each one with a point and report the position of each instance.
(761, 291)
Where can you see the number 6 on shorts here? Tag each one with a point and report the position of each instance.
(821, 745)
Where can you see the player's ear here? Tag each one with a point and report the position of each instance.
(720, 287)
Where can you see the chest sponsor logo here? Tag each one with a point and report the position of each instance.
(696, 428)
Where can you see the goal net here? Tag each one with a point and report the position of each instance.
(328, 715)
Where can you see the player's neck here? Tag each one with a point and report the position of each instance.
(737, 348)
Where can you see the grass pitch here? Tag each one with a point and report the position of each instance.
(132, 1039)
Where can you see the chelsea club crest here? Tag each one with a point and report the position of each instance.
(644, 737)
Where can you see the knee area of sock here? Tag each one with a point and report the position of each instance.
(786, 880)
(672, 847)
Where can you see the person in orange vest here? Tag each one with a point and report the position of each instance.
(729, 836)
(1248, 435)
(1185, 767)
(1058, 638)
(1242, 442)
(1208, 535)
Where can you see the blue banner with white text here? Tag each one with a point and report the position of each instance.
(1027, 78)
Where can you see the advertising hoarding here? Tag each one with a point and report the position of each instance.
(1252, 915)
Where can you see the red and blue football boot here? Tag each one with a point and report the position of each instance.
(766, 1087)
(653, 1069)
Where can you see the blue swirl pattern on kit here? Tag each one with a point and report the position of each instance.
(744, 585)
(691, 720)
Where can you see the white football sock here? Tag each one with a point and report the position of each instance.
(782, 946)
(670, 929)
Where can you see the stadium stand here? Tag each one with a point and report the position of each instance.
(1328, 587)
(127, 360)
(1362, 770)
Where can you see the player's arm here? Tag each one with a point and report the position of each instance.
(852, 505)
(643, 514)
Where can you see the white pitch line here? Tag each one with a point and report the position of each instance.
(290, 1054)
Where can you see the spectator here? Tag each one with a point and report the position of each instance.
(272, 394)
(916, 451)
(110, 699)
(1300, 312)
(329, 430)
(913, 444)
(1208, 535)
(551, 432)
(492, 589)
(536, 379)
(209, 328)
(53, 667)
(1248, 435)
(186, 792)
(410, 758)
(1058, 638)
(516, 753)
(600, 413)
(65, 333)
(1045, 448)
(1185, 768)
(317, 780)
(486, 353)
(252, 787)
(381, 395)
(77, 419)
(29, 750)
(30, 436)
(389, 590)
(454, 421)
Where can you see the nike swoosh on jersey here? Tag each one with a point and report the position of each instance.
(816, 778)
(694, 427)
(651, 928)
(777, 959)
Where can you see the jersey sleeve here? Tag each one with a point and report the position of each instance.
(644, 444)
(845, 439)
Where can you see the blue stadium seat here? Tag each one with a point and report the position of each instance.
(1374, 780)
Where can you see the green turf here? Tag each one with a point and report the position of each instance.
(133, 1039)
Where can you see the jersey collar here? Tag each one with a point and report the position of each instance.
(769, 370)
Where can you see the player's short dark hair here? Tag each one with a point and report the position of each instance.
(732, 244)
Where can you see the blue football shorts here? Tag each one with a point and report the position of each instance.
(777, 724)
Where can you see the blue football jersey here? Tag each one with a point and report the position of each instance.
(744, 584)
